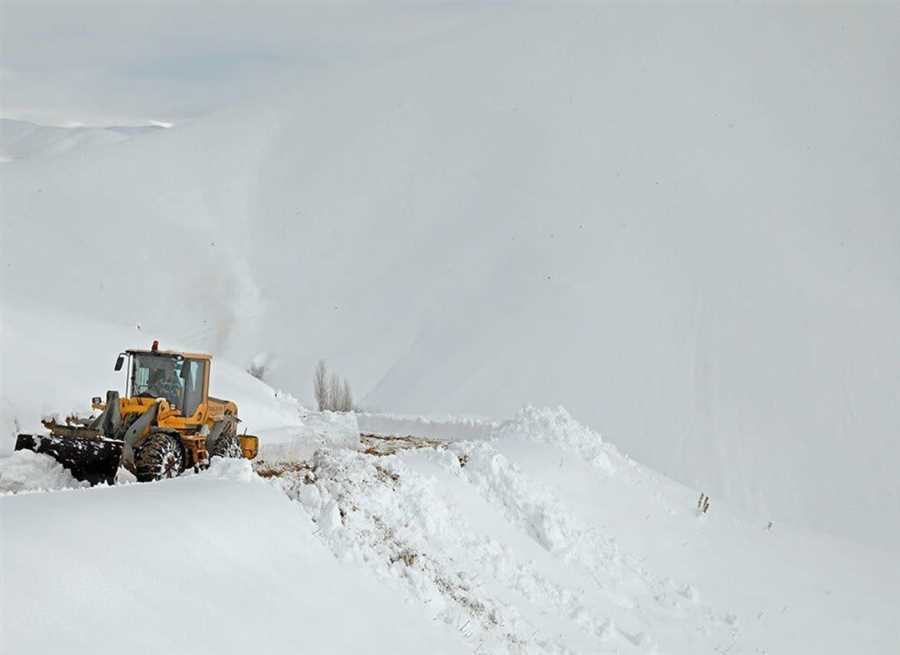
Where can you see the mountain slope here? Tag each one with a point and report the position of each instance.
(21, 139)
(675, 224)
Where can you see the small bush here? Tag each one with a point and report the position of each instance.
(331, 391)
(703, 503)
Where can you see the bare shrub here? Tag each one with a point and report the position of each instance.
(703, 503)
(334, 392)
(331, 392)
(346, 400)
(320, 385)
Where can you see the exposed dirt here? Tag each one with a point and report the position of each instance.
(377, 444)
(372, 444)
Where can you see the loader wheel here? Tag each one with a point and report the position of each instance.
(227, 445)
(159, 457)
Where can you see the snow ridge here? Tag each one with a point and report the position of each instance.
(556, 426)
(448, 428)
(490, 551)
(537, 539)
(28, 471)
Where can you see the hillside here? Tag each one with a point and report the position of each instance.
(22, 139)
(676, 225)
(524, 535)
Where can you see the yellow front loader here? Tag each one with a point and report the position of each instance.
(165, 423)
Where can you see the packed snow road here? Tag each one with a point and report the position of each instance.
(535, 538)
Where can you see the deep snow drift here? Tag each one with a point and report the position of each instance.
(680, 225)
(216, 563)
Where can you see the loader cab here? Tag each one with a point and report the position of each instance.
(181, 378)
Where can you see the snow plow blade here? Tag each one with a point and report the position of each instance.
(89, 459)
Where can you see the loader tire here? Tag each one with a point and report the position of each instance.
(160, 456)
(227, 445)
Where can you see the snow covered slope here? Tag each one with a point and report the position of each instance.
(681, 225)
(21, 139)
(538, 539)
(524, 536)
(218, 563)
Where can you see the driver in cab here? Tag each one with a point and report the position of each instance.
(165, 383)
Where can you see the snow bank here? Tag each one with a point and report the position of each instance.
(311, 431)
(229, 468)
(527, 504)
(556, 426)
(24, 470)
(493, 554)
(217, 563)
(524, 543)
(334, 429)
(385, 518)
(543, 539)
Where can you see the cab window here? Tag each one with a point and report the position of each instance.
(194, 373)
(158, 376)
